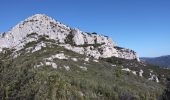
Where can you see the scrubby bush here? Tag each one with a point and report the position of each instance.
(166, 94)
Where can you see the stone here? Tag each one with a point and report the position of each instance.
(86, 59)
(74, 59)
(67, 67)
(141, 73)
(83, 68)
(126, 69)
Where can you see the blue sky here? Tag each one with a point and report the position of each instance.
(142, 25)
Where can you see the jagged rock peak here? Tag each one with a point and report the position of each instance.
(39, 17)
(91, 44)
(44, 25)
(40, 24)
(44, 18)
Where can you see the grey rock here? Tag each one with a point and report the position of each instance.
(93, 45)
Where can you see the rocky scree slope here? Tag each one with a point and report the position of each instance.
(90, 44)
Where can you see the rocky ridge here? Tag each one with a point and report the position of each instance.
(40, 25)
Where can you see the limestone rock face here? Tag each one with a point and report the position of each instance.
(89, 38)
(90, 44)
(108, 51)
(91, 51)
(78, 37)
(127, 54)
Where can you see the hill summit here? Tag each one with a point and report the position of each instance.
(90, 44)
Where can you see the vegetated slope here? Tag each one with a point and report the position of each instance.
(54, 72)
(163, 61)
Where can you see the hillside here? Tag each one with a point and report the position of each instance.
(163, 61)
(42, 59)
(54, 72)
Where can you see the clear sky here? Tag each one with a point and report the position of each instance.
(142, 25)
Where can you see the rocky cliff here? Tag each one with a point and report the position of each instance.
(40, 25)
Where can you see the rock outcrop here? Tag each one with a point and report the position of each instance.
(91, 44)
